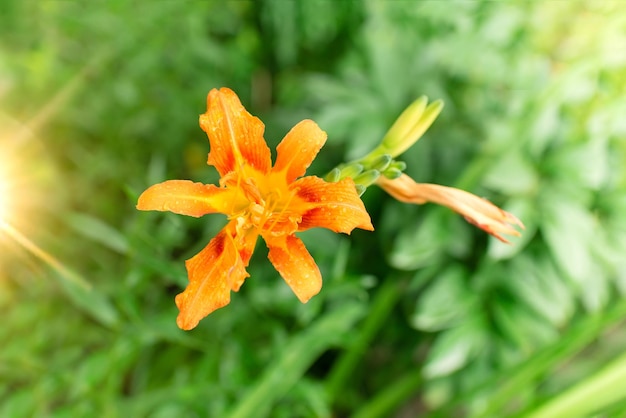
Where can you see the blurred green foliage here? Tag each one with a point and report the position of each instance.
(427, 316)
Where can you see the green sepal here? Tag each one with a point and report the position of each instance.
(381, 162)
(351, 170)
(392, 173)
(398, 165)
(367, 177)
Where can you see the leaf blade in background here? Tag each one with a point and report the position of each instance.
(97, 230)
(294, 359)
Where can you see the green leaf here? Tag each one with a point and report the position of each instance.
(590, 395)
(294, 359)
(585, 164)
(98, 231)
(380, 308)
(596, 292)
(569, 230)
(420, 245)
(620, 277)
(524, 209)
(512, 173)
(19, 404)
(88, 299)
(539, 286)
(505, 385)
(522, 326)
(446, 301)
(454, 348)
(394, 395)
(544, 128)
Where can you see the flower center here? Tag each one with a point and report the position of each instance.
(266, 205)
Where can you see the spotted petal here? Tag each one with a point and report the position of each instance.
(213, 273)
(294, 263)
(235, 136)
(335, 206)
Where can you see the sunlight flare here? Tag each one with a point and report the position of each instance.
(4, 201)
(41, 254)
(6, 191)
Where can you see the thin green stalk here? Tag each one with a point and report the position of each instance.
(511, 381)
(592, 394)
(294, 360)
(388, 400)
(383, 303)
(574, 341)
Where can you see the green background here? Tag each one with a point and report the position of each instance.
(426, 316)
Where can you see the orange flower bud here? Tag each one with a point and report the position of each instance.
(476, 210)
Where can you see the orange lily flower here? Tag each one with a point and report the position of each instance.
(258, 199)
(476, 210)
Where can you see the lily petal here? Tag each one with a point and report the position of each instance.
(298, 149)
(335, 206)
(294, 263)
(186, 198)
(213, 273)
(476, 210)
(236, 137)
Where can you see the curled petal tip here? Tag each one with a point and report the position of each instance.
(514, 220)
(490, 218)
(496, 229)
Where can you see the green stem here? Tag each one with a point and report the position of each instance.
(383, 303)
(592, 394)
(389, 399)
(512, 381)
(541, 363)
(297, 355)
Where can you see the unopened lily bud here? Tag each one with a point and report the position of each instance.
(409, 127)
(476, 210)
(394, 170)
(392, 173)
(428, 117)
(398, 165)
(381, 163)
(405, 122)
(333, 176)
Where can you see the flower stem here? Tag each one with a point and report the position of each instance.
(389, 399)
(510, 382)
(381, 306)
(291, 364)
(592, 394)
